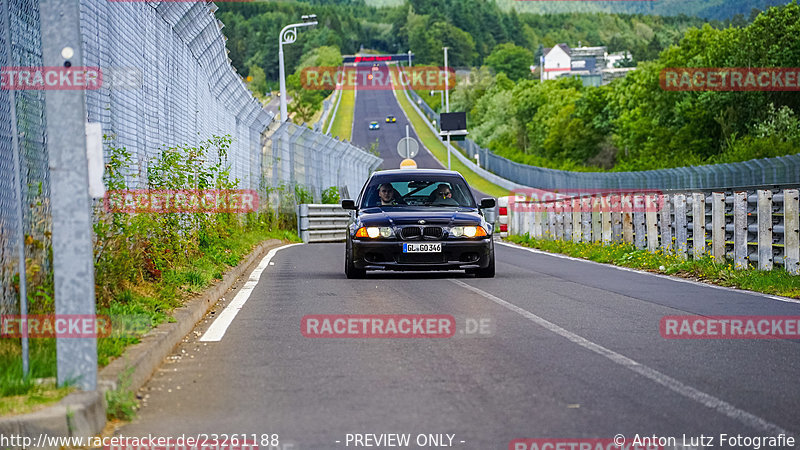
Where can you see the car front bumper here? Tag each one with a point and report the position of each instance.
(455, 255)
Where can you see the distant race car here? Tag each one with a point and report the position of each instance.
(418, 219)
(374, 125)
(375, 68)
(391, 119)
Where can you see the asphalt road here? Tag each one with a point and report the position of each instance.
(572, 349)
(374, 104)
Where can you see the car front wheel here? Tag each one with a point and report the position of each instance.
(488, 271)
(350, 269)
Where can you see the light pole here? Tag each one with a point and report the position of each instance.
(446, 102)
(289, 35)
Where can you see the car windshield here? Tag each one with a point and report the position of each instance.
(427, 191)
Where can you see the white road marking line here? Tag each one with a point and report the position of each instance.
(689, 392)
(217, 330)
(644, 272)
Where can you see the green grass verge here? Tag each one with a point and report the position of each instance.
(149, 303)
(343, 123)
(775, 282)
(439, 150)
(335, 97)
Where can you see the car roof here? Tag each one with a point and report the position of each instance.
(416, 171)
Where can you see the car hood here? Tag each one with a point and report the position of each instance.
(412, 216)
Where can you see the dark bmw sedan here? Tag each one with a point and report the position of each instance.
(418, 219)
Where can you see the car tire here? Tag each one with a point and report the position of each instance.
(350, 269)
(488, 271)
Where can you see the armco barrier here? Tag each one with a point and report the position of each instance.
(322, 223)
(756, 227)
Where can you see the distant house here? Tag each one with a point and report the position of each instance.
(556, 61)
(593, 65)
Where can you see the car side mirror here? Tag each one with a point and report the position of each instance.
(487, 203)
(348, 204)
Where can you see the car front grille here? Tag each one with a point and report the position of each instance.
(411, 233)
(433, 232)
(415, 232)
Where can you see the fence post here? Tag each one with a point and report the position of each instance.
(718, 226)
(665, 214)
(764, 230)
(652, 222)
(73, 259)
(740, 230)
(791, 230)
(680, 226)
(551, 221)
(638, 221)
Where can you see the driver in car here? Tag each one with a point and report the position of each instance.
(386, 194)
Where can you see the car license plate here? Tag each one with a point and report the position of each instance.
(428, 247)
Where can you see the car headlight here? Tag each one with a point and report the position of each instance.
(374, 232)
(468, 231)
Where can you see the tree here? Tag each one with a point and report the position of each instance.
(512, 60)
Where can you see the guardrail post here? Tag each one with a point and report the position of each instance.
(718, 226)
(626, 205)
(586, 219)
(302, 222)
(740, 230)
(652, 222)
(665, 218)
(616, 218)
(764, 230)
(638, 221)
(537, 220)
(680, 226)
(576, 220)
(596, 227)
(698, 224)
(559, 220)
(791, 230)
(606, 218)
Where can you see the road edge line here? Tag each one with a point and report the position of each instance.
(659, 275)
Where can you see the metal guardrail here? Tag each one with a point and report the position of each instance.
(759, 227)
(782, 170)
(322, 222)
